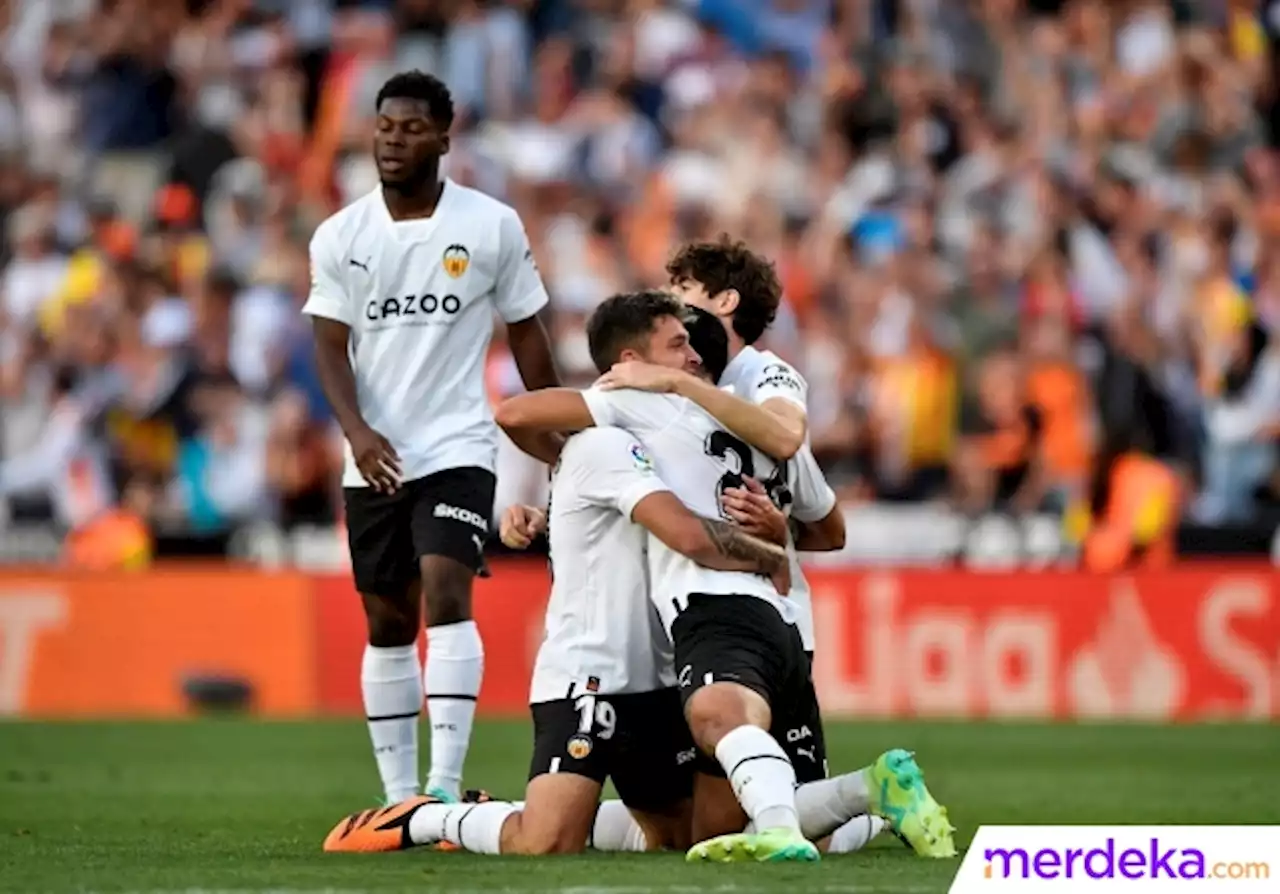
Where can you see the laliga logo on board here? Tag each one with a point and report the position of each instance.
(899, 643)
(1126, 671)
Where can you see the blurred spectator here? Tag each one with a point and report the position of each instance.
(1027, 246)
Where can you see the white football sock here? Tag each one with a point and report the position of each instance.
(855, 834)
(615, 829)
(762, 777)
(391, 680)
(473, 827)
(828, 804)
(455, 665)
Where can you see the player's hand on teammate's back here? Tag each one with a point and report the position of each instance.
(377, 460)
(752, 510)
(639, 375)
(520, 524)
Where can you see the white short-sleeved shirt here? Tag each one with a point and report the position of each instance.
(758, 376)
(698, 459)
(600, 625)
(419, 296)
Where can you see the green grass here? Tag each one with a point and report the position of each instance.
(236, 805)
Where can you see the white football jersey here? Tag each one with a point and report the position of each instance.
(600, 626)
(757, 376)
(419, 296)
(698, 459)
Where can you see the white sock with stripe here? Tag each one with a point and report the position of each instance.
(615, 829)
(455, 667)
(473, 827)
(391, 682)
(762, 777)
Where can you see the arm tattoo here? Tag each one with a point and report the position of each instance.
(734, 543)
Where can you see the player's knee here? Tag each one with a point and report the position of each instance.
(716, 710)
(446, 585)
(391, 622)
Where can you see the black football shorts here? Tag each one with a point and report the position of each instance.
(447, 513)
(742, 639)
(639, 740)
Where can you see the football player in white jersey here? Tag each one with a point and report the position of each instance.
(762, 399)
(741, 663)
(604, 702)
(405, 283)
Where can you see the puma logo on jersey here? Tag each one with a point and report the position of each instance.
(457, 513)
(809, 753)
(354, 263)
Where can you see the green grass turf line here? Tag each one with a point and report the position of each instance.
(241, 805)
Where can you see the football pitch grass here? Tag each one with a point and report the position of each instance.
(234, 805)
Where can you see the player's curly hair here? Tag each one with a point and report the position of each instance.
(421, 86)
(728, 264)
(625, 321)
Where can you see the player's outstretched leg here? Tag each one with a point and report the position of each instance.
(454, 669)
(731, 720)
(391, 685)
(897, 792)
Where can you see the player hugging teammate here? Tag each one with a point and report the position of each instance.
(679, 634)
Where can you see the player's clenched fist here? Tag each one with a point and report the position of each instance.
(520, 524)
(377, 460)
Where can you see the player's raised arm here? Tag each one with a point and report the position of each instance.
(776, 426)
(547, 410)
(331, 313)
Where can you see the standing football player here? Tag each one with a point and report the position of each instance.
(404, 285)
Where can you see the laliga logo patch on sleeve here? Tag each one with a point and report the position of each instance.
(641, 459)
(779, 375)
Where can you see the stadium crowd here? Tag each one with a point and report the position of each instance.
(1014, 235)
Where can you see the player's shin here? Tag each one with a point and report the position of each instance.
(855, 835)
(827, 804)
(762, 777)
(454, 668)
(477, 828)
(391, 682)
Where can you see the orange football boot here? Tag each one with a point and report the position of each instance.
(376, 830)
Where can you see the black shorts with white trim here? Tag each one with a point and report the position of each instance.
(742, 639)
(446, 514)
(639, 740)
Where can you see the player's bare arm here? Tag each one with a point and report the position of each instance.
(374, 455)
(825, 535)
(550, 410)
(710, 542)
(531, 348)
(776, 426)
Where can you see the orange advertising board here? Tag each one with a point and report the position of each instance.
(1190, 643)
(122, 644)
(1194, 642)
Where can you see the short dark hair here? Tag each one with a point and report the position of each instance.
(625, 320)
(708, 338)
(420, 86)
(726, 264)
